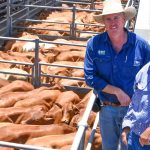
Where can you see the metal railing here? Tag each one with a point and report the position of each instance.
(73, 25)
(36, 66)
(23, 146)
(80, 135)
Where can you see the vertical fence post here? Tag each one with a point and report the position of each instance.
(92, 5)
(73, 26)
(129, 3)
(27, 10)
(81, 145)
(9, 19)
(44, 2)
(36, 65)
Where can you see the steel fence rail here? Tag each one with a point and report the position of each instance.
(41, 41)
(36, 66)
(59, 65)
(23, 146)
(78, 142)
(89, 145)
(73, 25)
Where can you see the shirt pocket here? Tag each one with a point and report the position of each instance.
(131, 69)
(103, 64)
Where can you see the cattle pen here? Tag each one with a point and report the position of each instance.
(26, 16)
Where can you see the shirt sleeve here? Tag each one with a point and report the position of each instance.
(91, 75)
(128, 119)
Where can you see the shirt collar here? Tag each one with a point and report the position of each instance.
(130, 39)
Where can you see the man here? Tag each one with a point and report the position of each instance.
(137, 119)
(112, 60)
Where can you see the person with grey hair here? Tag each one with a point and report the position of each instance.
(111, 63)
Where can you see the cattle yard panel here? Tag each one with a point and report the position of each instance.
(25, 12)
(78, 143)
(79, 90)
(28, 12)
(89, 145)
(73, 25)
(92, 3)
(14, 9)
(36, 66)
(33, 68)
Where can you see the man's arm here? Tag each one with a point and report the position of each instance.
(123, 98)
(97, 82)
(127, 123)
(124, 134)
(90, 71)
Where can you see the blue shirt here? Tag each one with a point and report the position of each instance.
(138, 114)
(103, 66)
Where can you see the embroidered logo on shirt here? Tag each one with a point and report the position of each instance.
(137, 63)
(101, 52)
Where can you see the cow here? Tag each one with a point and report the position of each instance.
(12, 114)
(17, 85)
(59, 141)
(6, 148)
(69, 110)
(35, 117)
(13, 77)
(3, 82)
(20, 133)
(69, 82)
(66, 147)
(20, 45)
(73, 56)
(20, 95)
(45, 97)
(81, 106)
(67, 96)
(55, 113)
(52, 141)
(8, 99)
(62, 114)
(77, 118)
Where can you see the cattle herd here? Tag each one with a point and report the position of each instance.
(45, 116)
(41, 116)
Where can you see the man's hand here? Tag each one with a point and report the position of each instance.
(123, 98)
(124, 134)
(145, 137)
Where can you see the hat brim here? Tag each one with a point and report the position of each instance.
(129, 12)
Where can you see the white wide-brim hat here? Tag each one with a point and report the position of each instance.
(113, 7)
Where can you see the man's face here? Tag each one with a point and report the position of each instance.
(114, 23)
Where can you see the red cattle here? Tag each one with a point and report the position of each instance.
(66, 97)
(17, 114)
(21, 133)
(59, 141)
(45, 97)
(17, 85)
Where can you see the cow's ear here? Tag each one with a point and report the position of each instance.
(75, 109)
